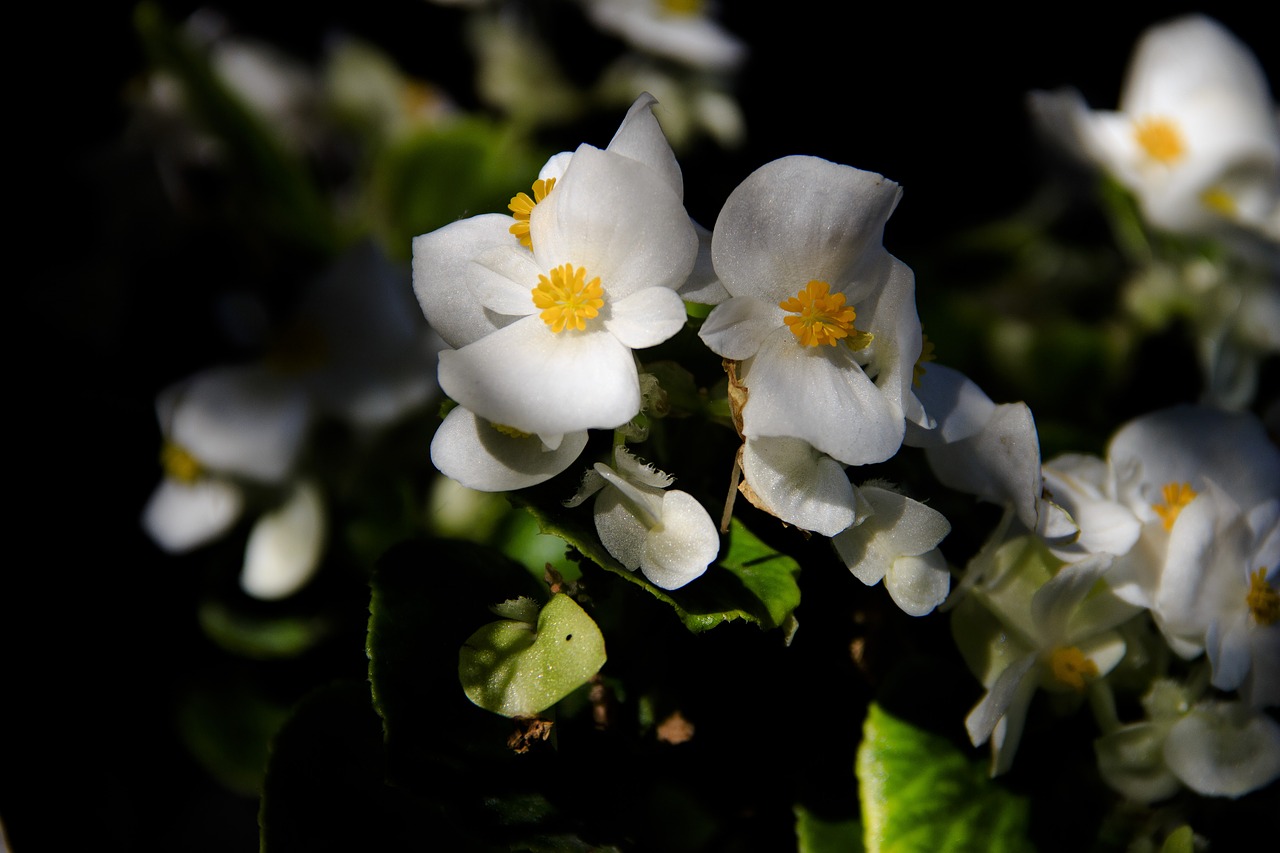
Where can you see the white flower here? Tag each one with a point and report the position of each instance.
(356, 351)
(1195, 137)
(1218, 749)
(897, 543)
(1020, 631)
(821, 317)
(665, 533)
(546, 332)
(673, 29)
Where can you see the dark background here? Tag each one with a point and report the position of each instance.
(97, 626)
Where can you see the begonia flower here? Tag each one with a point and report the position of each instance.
(1023, 628)
(1195, 137)
(645, 525)
(1215, 748)
(492, 458)
(547, 331)
(821, 318)
(897, 542)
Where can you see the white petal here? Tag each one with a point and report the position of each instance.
(623, 526)
(246, 421)
(683, 546)
(996, 702)
(502, 279)
(821, 395)
(528, 377)
(799, 485)
(1229, 647)
(896, 526)
(640, 137)
(471, 451)
(737, 327)
(646, 318)
(1000, 464)
(954, 401)
(285, 546)
(1222, 749)
(918, 584)
(798, 219)
(1131, 760)
(704, 285)
(442, 265)
(609, 215)
(1187, 444)
(180, 517)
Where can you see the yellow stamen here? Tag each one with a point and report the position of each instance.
(680, 7)
(1219, 201)
(511, 431)
(566, 301)
(926, 356)
(1071, 668)
(179, 464)
(1263, 599)
(521, 206)
(1160, 139)
(821, 317)
(1176, 497)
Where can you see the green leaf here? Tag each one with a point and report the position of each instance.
(439, 175)
(751, 581)
(261, 635)
(1181, 840)
(517, 669)
(920, 793)
(227, 725)
(816, 835)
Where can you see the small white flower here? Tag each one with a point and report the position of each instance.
(492, 458)
(897, 543)
(663, 532)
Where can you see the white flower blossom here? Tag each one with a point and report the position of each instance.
(663, 532)
(821, 318)
(1195, 137)
(678, 30)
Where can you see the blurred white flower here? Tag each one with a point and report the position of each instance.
(663, 532)
(1217, 749)
(678, 30)
(1195, 138)
(1021, 630)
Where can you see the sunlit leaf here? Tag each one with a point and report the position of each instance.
(920, 793)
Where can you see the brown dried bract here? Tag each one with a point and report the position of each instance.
(528, 731)
(737, 394)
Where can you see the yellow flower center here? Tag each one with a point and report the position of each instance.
(821, 317)
(1176, 497)
(680, 7)
(1219, 201)
(510, 431)
(179, 464)
(522, 206)
(1263, 599)
(926, 356)
(1160, 139)
(567, 299)
(1071, 668)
